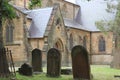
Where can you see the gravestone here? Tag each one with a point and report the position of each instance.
(25, 70)
(53, 63)
(37, 60)
(80, 63)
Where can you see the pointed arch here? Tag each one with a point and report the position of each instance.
(59, 45)
(101, 44)
(9, 32)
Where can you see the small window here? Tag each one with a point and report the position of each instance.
(101, 44)
(71, 41)
(84, 41)
(80, 40)
(49, 3)
(58, 21)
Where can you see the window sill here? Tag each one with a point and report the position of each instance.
(11, 44)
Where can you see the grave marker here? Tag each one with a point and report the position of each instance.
(80, 63)
(37, 60)
(53, 63)
(25, 70)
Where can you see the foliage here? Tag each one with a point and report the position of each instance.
(35, 3)
(112, 25)
(7, 11)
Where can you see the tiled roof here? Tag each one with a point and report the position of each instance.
(40, 18)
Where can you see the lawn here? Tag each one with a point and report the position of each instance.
(99, 72)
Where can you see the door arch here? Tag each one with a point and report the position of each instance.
(59, 45)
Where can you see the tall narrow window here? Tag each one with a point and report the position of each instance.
(64, 10)
(49, 3)
(80, 40)
(101, 44)
(9, 33)
(84, 41)
(71, 41)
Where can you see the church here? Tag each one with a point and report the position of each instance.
(60, 24)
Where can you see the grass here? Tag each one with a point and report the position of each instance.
(99, 72)
(104, 72)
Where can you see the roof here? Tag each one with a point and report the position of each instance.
(40, 18)
(73, 24)
(92, 11)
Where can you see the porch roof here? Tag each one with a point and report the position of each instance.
(40, 18)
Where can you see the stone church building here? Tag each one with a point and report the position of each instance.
(60, 24)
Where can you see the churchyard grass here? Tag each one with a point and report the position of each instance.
(99, 72)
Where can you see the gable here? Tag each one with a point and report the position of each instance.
(55, 21)
(55, 29)
(40, 18)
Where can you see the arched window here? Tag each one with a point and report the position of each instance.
(64, 10)
(84, 41)
(101, 44)
(9, 33)
(58, 21)
(59, 45)
(71, 41)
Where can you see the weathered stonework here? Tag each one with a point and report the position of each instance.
(57, 35)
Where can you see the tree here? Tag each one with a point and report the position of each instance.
(114, 26)
(6, 12)
(35, 3)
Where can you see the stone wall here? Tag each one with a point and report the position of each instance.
(68, 10)
(104, 57)
(17, 46)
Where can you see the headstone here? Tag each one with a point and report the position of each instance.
(37, 60)
(25, 70)
(53, 63)
(80, 63)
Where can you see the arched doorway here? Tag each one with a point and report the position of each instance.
(59, 45)
(64, 56)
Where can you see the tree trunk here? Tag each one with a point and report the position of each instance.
(116, 59)
(1, 34)
(116, 54)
